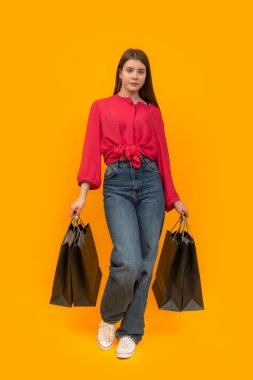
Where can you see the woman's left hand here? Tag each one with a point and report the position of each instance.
(181, 208)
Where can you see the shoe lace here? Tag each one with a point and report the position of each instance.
(126, 341)
(106, 331)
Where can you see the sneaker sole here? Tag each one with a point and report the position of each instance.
(103, 347)
(124, 355)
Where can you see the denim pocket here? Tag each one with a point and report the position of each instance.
(151, 166)
(111, 170)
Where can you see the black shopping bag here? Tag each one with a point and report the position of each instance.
(86, 273)
(177, 284)
(78, 275)
(62, 294)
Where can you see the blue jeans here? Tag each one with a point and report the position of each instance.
(134, 207)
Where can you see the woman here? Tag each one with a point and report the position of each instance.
(127, 128)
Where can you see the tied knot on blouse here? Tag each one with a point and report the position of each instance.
(131, 153)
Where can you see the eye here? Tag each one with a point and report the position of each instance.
(140, 72)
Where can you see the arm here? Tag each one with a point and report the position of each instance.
(84, 188)
(89, 174)
(163, 163)
(77, 206)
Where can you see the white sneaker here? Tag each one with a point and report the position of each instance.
(126, 347)
(105, 335)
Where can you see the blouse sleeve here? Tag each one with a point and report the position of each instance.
(90, 166)
(163, 163)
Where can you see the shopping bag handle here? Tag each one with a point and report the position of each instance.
(182, 218)
(185, 224)
(76, 217)
(77, 225)
(188, 225)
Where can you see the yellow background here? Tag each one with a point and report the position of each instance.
(58, 57)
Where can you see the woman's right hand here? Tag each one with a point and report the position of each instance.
(77, 206)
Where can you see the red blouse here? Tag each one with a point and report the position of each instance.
(117, 126)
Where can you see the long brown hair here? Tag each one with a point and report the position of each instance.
(146, 92)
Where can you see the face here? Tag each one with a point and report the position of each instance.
(133, 75)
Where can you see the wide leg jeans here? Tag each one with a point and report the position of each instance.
(134, 208)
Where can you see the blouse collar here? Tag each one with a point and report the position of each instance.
(129, 100)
